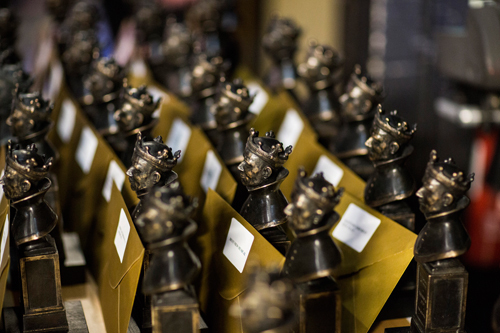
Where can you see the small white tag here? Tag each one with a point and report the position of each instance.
(356, 227)
(55, 81)
(5, 234)
(122, 232)
(72, 249)
(290, 129)
(261, 97)
(86, 149)
(238, 244)
(1, 186)
(178, 138)
(115, 174)
(66, 121)
(331, 171)
(211, 172)
(157, 93)
(138, 68)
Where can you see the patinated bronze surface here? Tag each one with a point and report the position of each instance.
(280, 43)
(358, 107)
(390, 184)
(262, 172)
(313, 256)
(320, 71)
(269, 304)
(232, 116)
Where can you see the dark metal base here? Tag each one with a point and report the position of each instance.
(398, 330)
(73, 267)
(13, 318)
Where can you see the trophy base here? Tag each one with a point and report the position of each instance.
(141, 311)
(175, 311)
(13, 320)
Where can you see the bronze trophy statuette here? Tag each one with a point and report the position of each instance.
(152, 164)
(25, 183)
(320, 71)
(358, 106)
(391, 184)
(165, 225)
(441, 278)
(269, 304)
(262, 172)
(134, 115)
(280, 43)
(313, 256)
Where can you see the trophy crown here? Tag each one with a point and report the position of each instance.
(393, 124)
(28, 162)
(448, 174)
(280, 39)
(110, 69)
(232, 103)
(141, 99)
(33, 105)
(268, 148)
(156, 153)
(208, 71)
(320, 66)
(318, 189)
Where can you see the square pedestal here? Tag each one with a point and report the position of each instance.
(175, 311)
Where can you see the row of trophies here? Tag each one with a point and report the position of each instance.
(195, 61)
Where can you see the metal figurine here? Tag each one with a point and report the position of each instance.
(442, 280)
(149, 21)
(102, 90)
(133, 116)
(25, 183)
(232, 116)
(313, 256)
(358, 107)
(30, 122)
(262, 172)
(12, 79)
(170, 60)
(206, 75)
(280, 43)
(269, 304)
(8, 34)
(319, 71)
(391, 184)
(58, 9)
(165, 225)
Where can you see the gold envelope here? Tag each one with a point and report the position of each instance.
(117, 281)
(221, 284)
(366, 279)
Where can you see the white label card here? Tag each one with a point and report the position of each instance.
(54, 82)
(356, 227)
(290, 129)
(211, 172)
(86, 149)
(122, 233)
(178, 138)
(331, 171)
(260, 99)
(158, 93)
(138, 68)
(116, 175)
(238, 244)
(66, 121)
(1, 188)
(5, 234)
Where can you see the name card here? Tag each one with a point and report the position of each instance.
(158, 93)
(238, 244)
(356, 227)
(138, 68)
(5, 235)
(122, 233)
(66, 121)
(53, 86)
(211, 172)
(116, 175)
(331, 171)
(178, 138)
(86, 149)
(260, 99)
(290, 129)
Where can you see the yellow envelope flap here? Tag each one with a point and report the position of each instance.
(218, 215)
(388, 239)
(120, 223)
(315, 158)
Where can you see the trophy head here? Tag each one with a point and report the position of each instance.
(84, 15)
(152, 162)
(80, 52)
(320, 66)
(361, 96)
(389, 135)
(443, 185)
(177, 44)
(149, 20)
(205, 16)
(232, 103)
(24, 168)
(269, 304)
(12, 80)
(263, 157)
(57, 8)
(280, 40)
(165, 213)
(30, 114)
(207, 72)
(312, 199)
(106, 79)
(137, 108)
